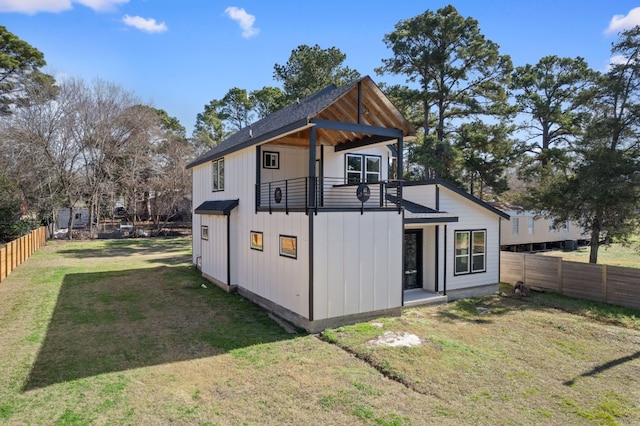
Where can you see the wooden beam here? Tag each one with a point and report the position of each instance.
(357, 128)
(357, 143)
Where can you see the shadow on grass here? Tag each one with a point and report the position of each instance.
(114, 321)
(126, 247)
(603, 367)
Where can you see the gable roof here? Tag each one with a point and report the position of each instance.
(462, 193)
(358, 102)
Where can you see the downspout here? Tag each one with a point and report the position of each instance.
(444, 281)
(229, 249)
(400, 209)
(400, 172)
(499, 247)
(402, 276)
(437, 260)
(312, 201)
(258, 180)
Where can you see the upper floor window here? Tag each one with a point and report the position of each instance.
(271, 160)
(362, 168)
(218, 174)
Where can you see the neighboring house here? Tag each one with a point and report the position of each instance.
(80, 217)
(527, 231)
(297, 213)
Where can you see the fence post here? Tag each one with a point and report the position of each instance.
(22, 249)
(3, 263)
(560, 279)
(524, 268)
(604, 283)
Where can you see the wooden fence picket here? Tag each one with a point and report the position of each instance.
(16, 252)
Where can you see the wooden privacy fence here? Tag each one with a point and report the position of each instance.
(601, 283)
(17, 251)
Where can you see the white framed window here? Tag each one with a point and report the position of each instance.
(515, 225)
(204, 232)
(218, 174)
(271, 160)
(353, 170)
(372, 168)
(530, 223)
(362, 168)
(470, 251)
(462, 252)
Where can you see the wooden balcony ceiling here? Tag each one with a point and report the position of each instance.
(356, 114)
(375, 110)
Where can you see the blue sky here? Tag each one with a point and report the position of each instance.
(180, 54)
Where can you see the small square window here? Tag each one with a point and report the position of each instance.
(289, 246)
(204, 232)
(256, 240)
(271, 160)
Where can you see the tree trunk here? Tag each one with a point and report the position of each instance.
(595, 241)
(70, 224)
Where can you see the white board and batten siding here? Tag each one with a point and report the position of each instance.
(471, 217)
(280, 279)
(357, 263)
(214, 250)
(334, 162)
(293, 163)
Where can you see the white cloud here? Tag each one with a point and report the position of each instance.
(616, 60)
(101, 5)
(31, 7)
(143, 24)
(624, 22)
(244, 20)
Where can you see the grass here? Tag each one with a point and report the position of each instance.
(615, 254)
(546, 359)
(122, 332)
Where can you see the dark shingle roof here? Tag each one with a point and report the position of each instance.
(461, 193)
(217, 207)
(282, 121)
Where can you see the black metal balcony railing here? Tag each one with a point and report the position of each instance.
(316, 193)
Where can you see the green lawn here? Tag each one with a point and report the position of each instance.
(124, 332)
(616, 254)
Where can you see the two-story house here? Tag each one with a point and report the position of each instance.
(297, 213)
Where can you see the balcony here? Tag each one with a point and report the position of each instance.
(328, 194)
